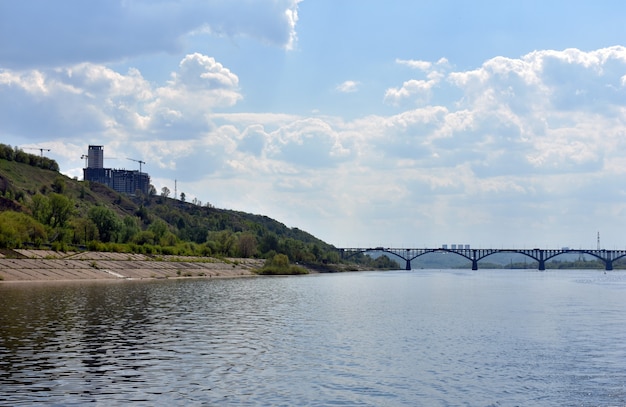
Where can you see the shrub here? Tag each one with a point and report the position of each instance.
(58, 246)
(279, 265)
(17, 228)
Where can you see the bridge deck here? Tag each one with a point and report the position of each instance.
(476, 255)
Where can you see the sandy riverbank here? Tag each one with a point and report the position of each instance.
(46, 265)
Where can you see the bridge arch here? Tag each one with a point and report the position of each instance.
(476, 255)
(606, 256)
(530, 253)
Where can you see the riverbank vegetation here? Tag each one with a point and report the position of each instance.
(42, 208)
(279, 264)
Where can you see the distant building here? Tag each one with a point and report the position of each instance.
(95, 157)
(123, 181)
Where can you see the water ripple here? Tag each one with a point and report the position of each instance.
(433, 338)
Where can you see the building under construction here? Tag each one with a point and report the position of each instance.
(124, 181)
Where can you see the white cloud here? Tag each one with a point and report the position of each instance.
(198, 71)
(415, 64)
(418, 90)
(200, 84)
(526, 136)
(95, 101)
(348, 87)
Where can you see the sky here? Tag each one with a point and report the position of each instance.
(366, 123)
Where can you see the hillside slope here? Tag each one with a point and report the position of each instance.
(66, 213)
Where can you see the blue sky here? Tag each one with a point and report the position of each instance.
(366, 123)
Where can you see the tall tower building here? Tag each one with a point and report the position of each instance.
(95, 157)
(124, 181)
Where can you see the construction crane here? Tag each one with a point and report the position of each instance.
(139, 161)
(41, 150)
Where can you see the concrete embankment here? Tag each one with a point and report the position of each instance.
(46, 265)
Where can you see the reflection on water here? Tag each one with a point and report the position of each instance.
(397, 338)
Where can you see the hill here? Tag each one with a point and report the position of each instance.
(41, 207)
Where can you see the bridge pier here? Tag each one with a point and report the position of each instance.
(408, 265)
(609, 265)
(542, 262)
(474, 264)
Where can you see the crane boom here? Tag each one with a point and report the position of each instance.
(139, 161)
(41, 150)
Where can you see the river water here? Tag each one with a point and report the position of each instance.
(400, 338)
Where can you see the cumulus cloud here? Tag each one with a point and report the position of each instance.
(417, 90)
(520, 130)
(548, 111)
(511, 116)
(199, 85)
(73, 31)
(94, 101)
(420, 90)
(498, 137)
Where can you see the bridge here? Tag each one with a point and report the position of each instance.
(476, 255)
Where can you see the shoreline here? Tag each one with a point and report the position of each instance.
(49, 266)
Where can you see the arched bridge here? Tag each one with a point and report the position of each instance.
(476, 255)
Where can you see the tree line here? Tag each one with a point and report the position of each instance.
(18, 155)
(65, 214)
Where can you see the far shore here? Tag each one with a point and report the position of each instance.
(48, 265)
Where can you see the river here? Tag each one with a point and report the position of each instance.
(399, 338)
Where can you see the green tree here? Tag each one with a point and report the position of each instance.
(18, 228)
(223, 242)
(61, 208)
(316, 251)
(247, 245)
(159, 228)
(383, 262)
(280, 261)
(130, 227)
(168, 239)
(20, 156)
(84, 230)
(7, 152)
(144, 237)
(106, 221)
(58, 185)
(142, 213)
(82, 189)
(269, 242)
(182, 196)
(332, 257)
(40, 208)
